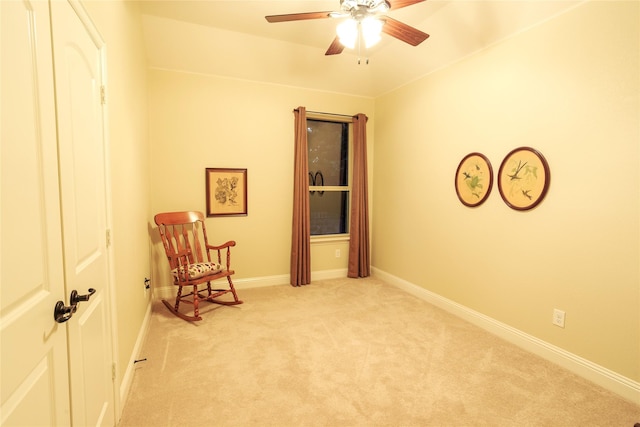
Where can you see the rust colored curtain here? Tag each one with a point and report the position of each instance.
(301, 231)
(359, 252)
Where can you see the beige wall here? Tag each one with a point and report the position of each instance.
(200, 121)
(119, 24)
(569, 88)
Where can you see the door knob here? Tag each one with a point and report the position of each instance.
(74, 299)
(62, 313)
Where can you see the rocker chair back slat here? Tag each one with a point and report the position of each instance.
(184, 238)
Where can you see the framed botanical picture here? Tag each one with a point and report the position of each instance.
(474, 179)
(226, 192)
(523, 178)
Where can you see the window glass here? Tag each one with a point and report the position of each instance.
(328, 152)
(328, 144)
(328, 212)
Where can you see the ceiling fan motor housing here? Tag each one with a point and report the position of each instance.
(359, 9)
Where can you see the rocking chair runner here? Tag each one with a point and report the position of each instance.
(193, 261)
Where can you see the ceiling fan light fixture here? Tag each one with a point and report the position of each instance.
(371, 30)
(348, 33)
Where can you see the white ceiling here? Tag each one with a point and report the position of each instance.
(233, 39)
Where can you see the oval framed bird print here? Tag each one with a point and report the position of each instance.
(474, 179)
(523, 178)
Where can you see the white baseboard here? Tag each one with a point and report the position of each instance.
(127, 378)
(256, 282)
(328, 274)
(612, 381)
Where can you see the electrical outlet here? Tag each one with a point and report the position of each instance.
(337, 253)
(558, 317)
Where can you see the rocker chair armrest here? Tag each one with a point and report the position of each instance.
(219, 248)
(228, 244)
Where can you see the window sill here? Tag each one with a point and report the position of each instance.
(330, 238)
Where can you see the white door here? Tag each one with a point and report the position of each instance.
(34, 387)
(53, 220)
(81, 144)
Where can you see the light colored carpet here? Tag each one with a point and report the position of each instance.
(350, 352)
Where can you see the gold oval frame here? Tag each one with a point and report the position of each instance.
(523, 178)
(472, 175)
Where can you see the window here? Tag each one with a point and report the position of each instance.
(329, 177)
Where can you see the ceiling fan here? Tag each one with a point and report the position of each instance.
(369, 15)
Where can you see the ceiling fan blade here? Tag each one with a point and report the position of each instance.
(403, 32)
(297, 16)
(335, 48)
(397, 4)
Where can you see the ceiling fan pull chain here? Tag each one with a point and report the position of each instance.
(360, 43)
(366, 60)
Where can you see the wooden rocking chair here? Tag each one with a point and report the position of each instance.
(193, 261)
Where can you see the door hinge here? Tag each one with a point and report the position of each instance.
(108, 237)
(113, 371)
(103, 96)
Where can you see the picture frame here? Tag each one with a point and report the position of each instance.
(474, 179)
(523, 178)
(226, 192)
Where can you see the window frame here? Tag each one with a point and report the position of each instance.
(348, 188)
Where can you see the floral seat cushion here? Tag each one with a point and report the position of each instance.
(197, 270)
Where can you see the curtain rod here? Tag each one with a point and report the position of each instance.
(332, 114)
